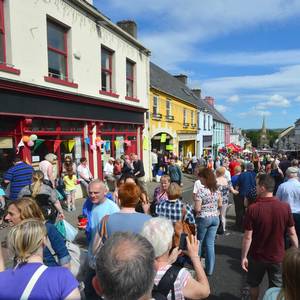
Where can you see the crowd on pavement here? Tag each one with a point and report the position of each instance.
(143, 246)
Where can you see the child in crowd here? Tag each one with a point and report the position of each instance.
(70, 181)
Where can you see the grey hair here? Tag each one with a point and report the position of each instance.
(50, 157)
(125, 266)
(159, 232)
(97, 181)
(250, 167)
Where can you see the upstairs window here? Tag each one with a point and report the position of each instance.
(155, 105)
(208, 122)
(192, 118)
(57, 51)
(2, 34)
(168, 108)
(204, 121)
(130, 78)
(106, 70)
(184, 116)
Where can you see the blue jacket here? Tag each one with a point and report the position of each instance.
(246, 182)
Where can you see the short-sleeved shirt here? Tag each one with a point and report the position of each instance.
(131, 222)
(159, 195)
(209, 202)
(172, 210)
(56, 283)
(269, 219)
(45, 189)
(70, 183)
(85, 171)
(179, 283)
(224, 190)
(19, 176)
(246, 182)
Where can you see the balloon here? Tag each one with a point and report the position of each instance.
(98, 139)
(25, 138)
(33, 137)
(93, 147)
(30, 143)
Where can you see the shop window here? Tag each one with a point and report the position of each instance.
(43, 125)
(106, 70)
(57, 51)
(130, 78)
(71, 125)
(2, 34)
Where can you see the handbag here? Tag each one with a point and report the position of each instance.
(220, 229)
(74, 252)
(183, 226)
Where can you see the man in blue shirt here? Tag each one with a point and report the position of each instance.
(289, 192)
(18, 176)
(98, 206)
(245, 183)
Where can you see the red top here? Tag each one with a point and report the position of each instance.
(232, 165)
(269, 219)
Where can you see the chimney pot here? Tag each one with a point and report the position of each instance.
(129, 26)
(210, 100)
(182, 78)
(197, 92)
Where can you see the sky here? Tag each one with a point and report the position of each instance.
(245, 54)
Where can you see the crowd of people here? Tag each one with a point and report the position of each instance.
(158, 246)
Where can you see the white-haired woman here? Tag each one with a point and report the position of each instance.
(159, 231)
(26, 242)
(46, 166)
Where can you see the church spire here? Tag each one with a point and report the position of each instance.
(263, 128)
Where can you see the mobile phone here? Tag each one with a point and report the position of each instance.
(182, 242)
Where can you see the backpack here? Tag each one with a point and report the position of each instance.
(166, 284)
(46, 206)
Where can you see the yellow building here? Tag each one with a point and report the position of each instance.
(173, 113)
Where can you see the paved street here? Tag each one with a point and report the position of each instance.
(227, 280)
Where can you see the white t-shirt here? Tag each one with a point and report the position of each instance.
(154, 158)
(109, 169)
(85, 171)
(197, 186)
(43, 166)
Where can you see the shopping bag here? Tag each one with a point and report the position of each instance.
(61, 228)
(71, 231)
(59, 196)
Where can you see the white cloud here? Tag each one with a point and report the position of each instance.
(297, 99)
(221, 108)
(233, 99)
(280, 58)
(255, 113)
(274, 101)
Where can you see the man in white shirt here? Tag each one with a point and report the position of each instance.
(84, 173)
(109, 174)
(154, 159)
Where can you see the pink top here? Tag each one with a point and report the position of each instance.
(44, 166)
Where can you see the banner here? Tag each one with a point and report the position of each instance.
(71, 144)
(56, 145)
(38, 143)
(163, 137)
(169, 147)
(145, 143)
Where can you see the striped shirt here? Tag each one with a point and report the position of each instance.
(19, 176)
(179, 283)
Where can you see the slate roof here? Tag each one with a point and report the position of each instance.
(167, 83)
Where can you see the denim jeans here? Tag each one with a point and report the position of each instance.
(207, 229)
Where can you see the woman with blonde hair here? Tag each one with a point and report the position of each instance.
(30, 278)
(290, 289)
(26, 208)
(225, 187)
(44, 195)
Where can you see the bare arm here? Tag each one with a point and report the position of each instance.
(58, 207)
(2, 266)
(198, 203)
(247, 239)
(196, 289)
(50, 175)
(293, 236)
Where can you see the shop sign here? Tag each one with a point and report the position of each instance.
(169, 147)
(6, 142)
(163, 137)
(186, 137)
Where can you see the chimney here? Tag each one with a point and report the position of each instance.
(182, 78)
(197, 92)
(210, 100)
(129, 26)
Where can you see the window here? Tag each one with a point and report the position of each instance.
(184, 116)
(168, 108)
(192, 118)
(129, 78)
(155, 105)
(2, 34)
(204, 121)
(208, 122)
(57, 51)
(106, 70)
